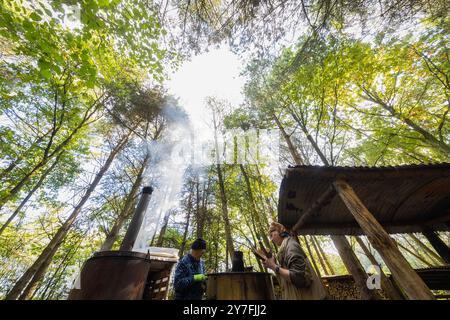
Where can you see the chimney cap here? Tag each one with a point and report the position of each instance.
(147, 189)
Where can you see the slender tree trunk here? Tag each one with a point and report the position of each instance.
(200, 213)
(19, 159)
(425, 247)
(32, 285)
(325, 258)
(217, 257)
(425, 256)
(162, 233)
(223, 196)
(263, 230)
(30, 193)
(319, 255)
(293, 151)
(186, 228)
(354, 267)
(311, 257)
(46, 158)
(414, 254)
(59, 236)
(441, 145)
(61, 268)
(225, 215)
(386, 284)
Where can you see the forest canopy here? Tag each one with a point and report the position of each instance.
(87, 119)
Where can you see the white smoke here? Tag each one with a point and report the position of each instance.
(169, 161)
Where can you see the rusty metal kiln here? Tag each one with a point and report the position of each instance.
(125, 274)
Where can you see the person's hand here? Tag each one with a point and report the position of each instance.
(270, 263)
(200, 277)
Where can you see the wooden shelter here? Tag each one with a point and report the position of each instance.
(373, 202)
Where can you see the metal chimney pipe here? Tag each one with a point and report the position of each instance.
(136, 222)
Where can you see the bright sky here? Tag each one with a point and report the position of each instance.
(213, 73)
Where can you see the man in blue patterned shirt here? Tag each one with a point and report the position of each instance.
(190, 273)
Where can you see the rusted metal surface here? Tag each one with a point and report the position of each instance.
(123, 275)
(114, 275)
(401, 198)
(240, 286)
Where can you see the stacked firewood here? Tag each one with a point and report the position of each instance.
(342, 289)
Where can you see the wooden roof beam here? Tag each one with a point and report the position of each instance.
(321, 202)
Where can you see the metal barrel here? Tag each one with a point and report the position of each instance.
(113, 275)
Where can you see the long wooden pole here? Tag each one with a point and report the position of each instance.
(408, 279)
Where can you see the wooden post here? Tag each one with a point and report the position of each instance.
(354, 267)
(441, 248)
(408, 279)
(388, 287)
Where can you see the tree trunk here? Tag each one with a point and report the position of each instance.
(416, 255)
(386, 284)
(319, 255)
(292, 150)
(325, 258)
(162, 233)
(32, 285)
(186, 228)
(46, 158)
(428, 250)
(19, 159)
(346, 253)
(200, 213)
(59, 236)
(311, 257)
(424, 256)
(225, 216)
(354, 267)
(256, 214)
(30, 193)
(61, 268)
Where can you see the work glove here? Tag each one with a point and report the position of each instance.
(200, 277)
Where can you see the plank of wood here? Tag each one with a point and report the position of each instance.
(408, 279)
